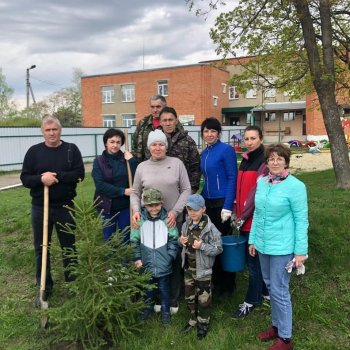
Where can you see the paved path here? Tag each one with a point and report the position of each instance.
(12, 180)
(8, 181)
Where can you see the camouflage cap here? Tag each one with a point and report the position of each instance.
(152, 196)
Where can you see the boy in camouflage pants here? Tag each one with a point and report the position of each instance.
(201, 242)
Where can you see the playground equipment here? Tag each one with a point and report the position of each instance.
(236, 141)
(295, 143)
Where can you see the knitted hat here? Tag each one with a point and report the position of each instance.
(195, 201)
(157, 136)
(152, 196)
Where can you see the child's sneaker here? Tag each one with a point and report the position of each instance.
(266, 300)
(174, 309)
(244, 310)
(165, 318)
(157, 308)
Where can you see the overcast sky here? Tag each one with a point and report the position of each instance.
(97, 37)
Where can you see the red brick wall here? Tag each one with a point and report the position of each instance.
(191, 90)
(314, 117)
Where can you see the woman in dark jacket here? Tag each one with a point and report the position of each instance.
(219, 169)
(252, 168)
(113, 190)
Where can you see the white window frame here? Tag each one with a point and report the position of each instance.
(232, 93)
(109, 121)
(252, 92)
(128, 93)
(269, 92)
(249, 117)
(288, 116)
(223, 88)
(108, 94)
(163, 87)
(127, 120)
(270, 117)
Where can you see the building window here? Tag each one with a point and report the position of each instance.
(186, 119)
(163, 87)
(250, 117)
(235, 121)
(108, 95)
(270, 116)
(253, 91)
(269, 92)
(233, 94)
(288, 116)
(109, 121)
(223, 88)
(215, 101)
(128, 93)
(129, 119)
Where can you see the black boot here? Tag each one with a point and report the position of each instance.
(202, 330)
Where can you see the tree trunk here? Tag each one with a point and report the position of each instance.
(335, 132)
(323, 77)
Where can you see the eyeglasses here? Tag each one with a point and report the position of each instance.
(276, 160)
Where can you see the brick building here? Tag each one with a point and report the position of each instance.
(121, 99)
(196, 92)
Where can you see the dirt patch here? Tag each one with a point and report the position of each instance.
(306, 162)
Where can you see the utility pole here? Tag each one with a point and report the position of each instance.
(29, 88)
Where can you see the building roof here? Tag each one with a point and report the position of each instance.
(281, 106)
(154, 69)
(236, 109)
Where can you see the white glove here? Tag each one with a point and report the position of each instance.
(225, 215)
(291, 265)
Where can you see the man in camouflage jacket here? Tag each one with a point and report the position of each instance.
(181, 145)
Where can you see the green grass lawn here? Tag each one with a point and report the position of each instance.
(321, 298)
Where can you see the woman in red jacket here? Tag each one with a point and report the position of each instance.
(251, 169)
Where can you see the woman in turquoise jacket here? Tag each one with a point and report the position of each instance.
(279, 236)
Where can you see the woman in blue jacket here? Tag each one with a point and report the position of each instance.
(113, 190)
(279, 236)
(219, 169)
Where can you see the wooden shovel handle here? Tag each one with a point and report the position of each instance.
(128, 166)
(127, 162)
(45, 242)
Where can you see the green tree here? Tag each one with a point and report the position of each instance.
(104, 300)
(311, 38)
(7, 107)
(35, 111)
(68, 117)
(66, 103)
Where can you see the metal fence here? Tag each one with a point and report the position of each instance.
(14, 142)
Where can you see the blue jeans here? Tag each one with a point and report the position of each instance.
(118, 220)
(57, 216)
(256, 285)
(163, 284)
(277, 280)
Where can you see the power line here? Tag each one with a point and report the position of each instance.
(48, 82)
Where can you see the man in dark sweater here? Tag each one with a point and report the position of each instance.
(58, 165)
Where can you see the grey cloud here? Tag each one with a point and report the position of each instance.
(98, 37)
